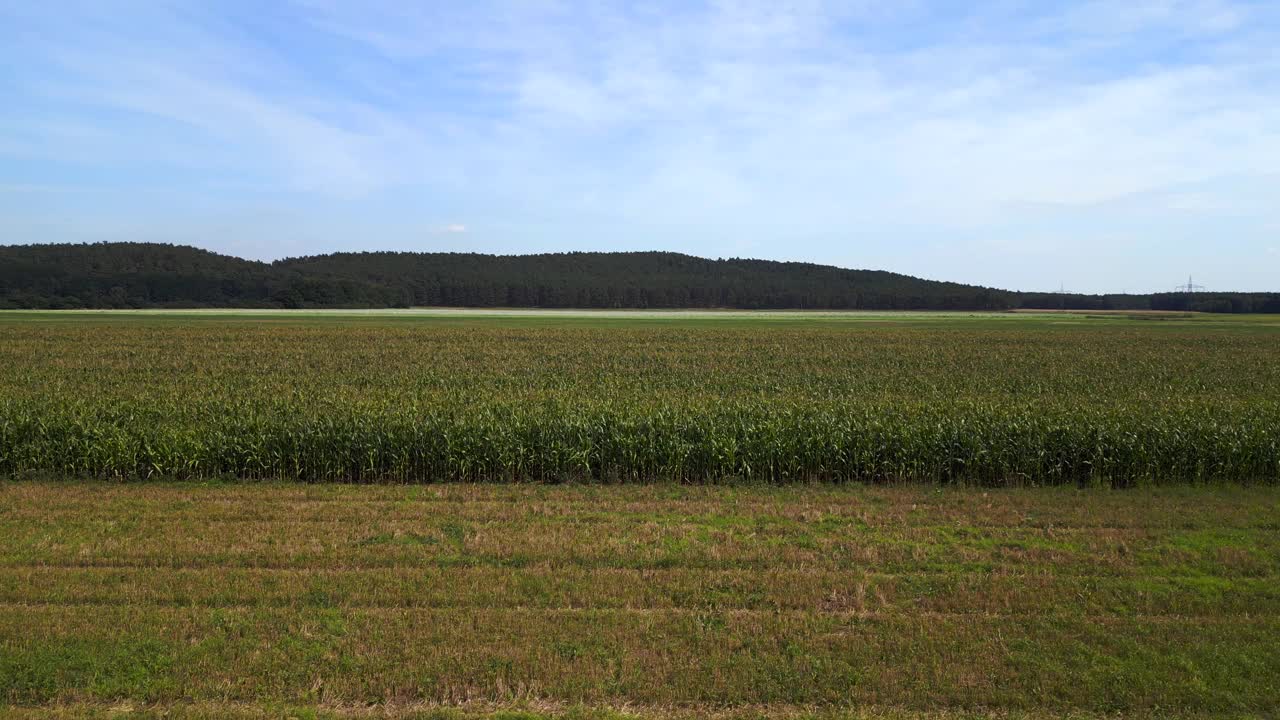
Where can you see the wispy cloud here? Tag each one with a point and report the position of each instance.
(984, 143)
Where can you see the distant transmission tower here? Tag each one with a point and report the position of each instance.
(1190, 287)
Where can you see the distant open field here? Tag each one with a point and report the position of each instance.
(433, 395)
(280, 600)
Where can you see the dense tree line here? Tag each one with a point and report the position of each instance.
(639, 280)
(140, 275)
(1214, 302)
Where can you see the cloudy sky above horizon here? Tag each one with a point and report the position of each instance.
(1096, 145)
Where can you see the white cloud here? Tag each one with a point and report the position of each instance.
(808, 129)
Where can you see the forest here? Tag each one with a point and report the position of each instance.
(152, 275)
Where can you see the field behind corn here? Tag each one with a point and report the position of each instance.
(996, 400)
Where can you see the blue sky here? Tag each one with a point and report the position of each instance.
(1104, 146)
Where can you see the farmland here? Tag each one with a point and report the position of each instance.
(528, 515)
(275, 600)
(996, 399)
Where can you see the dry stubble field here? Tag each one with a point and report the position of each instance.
(273, 599)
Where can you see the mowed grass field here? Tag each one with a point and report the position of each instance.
(674, 515)
(278, 600)
(688, 397)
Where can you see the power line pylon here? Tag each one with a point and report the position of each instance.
(1190, 287)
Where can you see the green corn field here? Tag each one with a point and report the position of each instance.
(1017, 401)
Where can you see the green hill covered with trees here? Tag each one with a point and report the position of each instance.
(138, 275)
(637, 280)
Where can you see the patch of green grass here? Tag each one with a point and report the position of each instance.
(134, 667)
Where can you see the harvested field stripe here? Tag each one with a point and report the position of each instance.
(779, 591)
(543, 710)
(1241, 620)
(1053, 622)
(645, 657)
